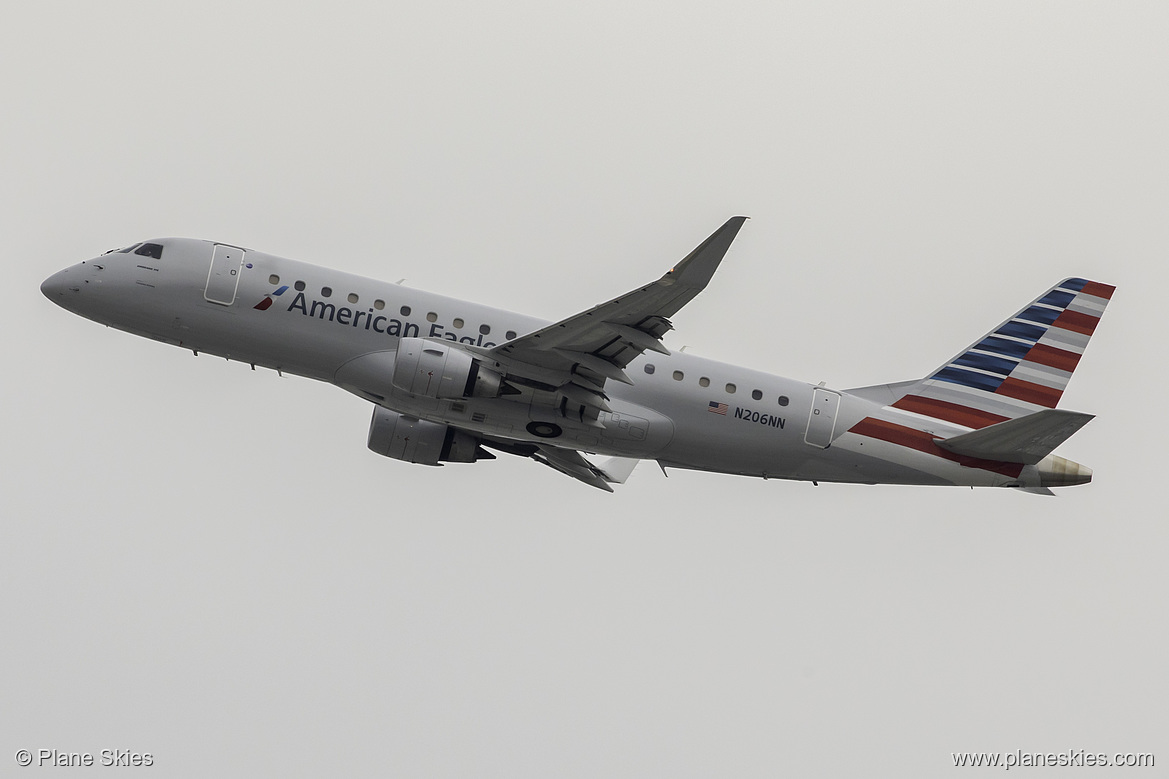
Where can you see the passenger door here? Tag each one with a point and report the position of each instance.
(822, 419)
(223, 277)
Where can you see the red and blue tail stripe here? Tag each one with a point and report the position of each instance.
(1020, 367)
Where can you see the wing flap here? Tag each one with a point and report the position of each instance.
(639, 338)
(618, 469)
(572, 463)
(614, 470)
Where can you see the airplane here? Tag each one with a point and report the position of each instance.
(594, 394)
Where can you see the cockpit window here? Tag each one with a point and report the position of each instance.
(128, 249)
(153, 250)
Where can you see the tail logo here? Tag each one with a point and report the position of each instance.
(1018, 371)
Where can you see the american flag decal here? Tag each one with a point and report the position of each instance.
(717, 408)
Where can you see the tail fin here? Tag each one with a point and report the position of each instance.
(1020, 367)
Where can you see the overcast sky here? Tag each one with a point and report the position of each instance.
(207, 564)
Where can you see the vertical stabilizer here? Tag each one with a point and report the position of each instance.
(1020, 367)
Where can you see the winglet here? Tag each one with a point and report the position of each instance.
(698, 267)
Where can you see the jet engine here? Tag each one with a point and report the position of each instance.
(418, 441)
(436, 370)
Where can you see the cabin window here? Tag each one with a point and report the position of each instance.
(379, 304)
(458, 323)
(731, 388)
(756, 395)
(432, 317)
(649, 367)
(352, 297)
(405, 311)
(678, 375)
(783, 401)
(510, 334)
(485, 329)
(704, 382)
(299, 286)
(326, 292)
(152, 250)
(273, 279)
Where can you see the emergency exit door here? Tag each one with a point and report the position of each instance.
(223, 277)
(822, 418)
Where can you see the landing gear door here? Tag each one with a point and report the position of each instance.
(223, 277)
(822, 419)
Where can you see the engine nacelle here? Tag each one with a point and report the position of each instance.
(434, 369)
(418, 441)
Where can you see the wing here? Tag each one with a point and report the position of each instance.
(615, 470)
(576, 356)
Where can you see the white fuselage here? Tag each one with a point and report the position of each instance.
(344, 329)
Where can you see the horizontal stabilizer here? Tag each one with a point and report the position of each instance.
(1023, 440)
(1036, 490)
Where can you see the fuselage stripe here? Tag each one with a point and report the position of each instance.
(871, 427)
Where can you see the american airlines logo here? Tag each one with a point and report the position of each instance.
(368, 319)
(266, 303)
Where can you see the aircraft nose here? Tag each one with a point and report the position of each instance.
(62, 288)
(55, 286)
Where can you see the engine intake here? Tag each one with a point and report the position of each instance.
(419, 441)
(434, 369)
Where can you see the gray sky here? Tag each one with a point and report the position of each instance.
(205, 563)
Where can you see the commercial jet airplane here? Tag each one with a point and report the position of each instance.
(453, 381)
